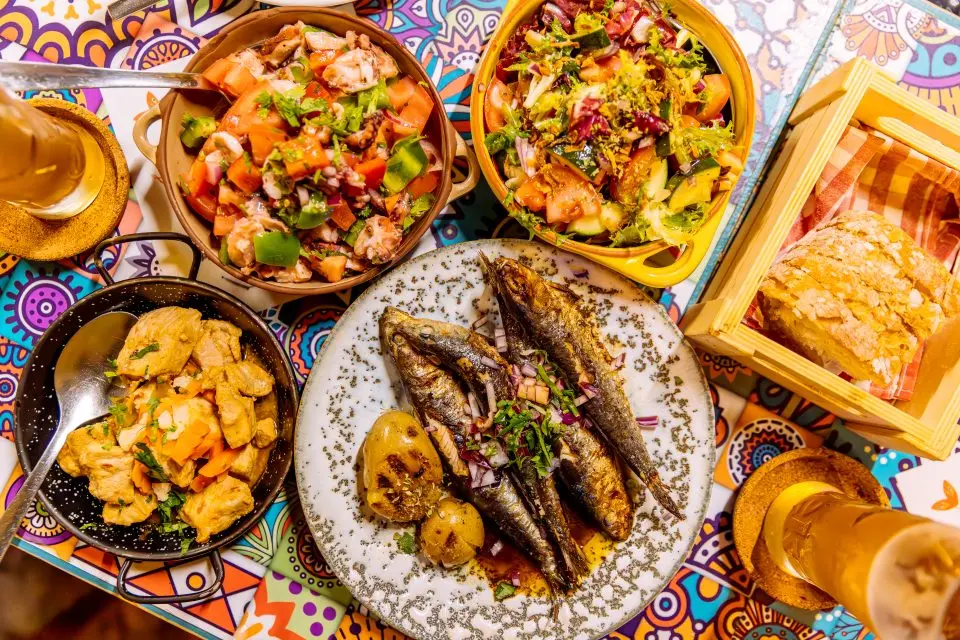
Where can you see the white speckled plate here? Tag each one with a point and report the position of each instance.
(351, 385)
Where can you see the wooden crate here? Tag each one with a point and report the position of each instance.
(925, 425)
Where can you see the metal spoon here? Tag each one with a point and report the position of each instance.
(37, 76)
(82, 391)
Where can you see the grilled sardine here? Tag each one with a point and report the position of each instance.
(488, 376)
(588, 467)
(445, 412)
(573, 343)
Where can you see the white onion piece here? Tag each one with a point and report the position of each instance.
(489, 363)
(474, 405)
(480, 476)
(433, 156)
(607, 51)
(270, 186)
(303, 195)
(515, 580)
(641, 29)
(580, 400)
(214, 170)
(491, 405)
(526, 152)
(496, 548)
(499, 458)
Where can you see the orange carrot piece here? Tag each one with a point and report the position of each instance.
(141, 480)
(219, 463)
(186, 443)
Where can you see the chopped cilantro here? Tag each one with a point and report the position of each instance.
(406, 543)
(147, 459)
(89, 525)
(168, 507)
(150, 348)
(172, 527)
(419, 207)
(565, 397)
(301, 71)
(504, 590)
(288, 105)
(185, 545)
(119, 413)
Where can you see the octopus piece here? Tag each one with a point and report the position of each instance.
(299, 272)
(280, 47)
(240, 242)
(367, 133)
(250, 61)
(321, 40)
(228, 146)
(360, 69)
(378, 241)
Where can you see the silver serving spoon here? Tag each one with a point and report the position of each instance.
(83, 393)
(37, 76)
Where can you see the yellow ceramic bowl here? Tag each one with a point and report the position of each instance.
(632, 261)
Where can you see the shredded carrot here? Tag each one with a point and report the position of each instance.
(141, 480)
(187, 442)
(219, 463)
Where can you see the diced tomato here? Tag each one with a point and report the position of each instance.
(635, 174)
(245, 112)
(530, 194)
(204, 204)
(401, 91)
(342, 216)
(262, 138)
(427, 183)
(602, 71)
(222, 225)
(418, 109)
(571, 198)
(317, 90)
(495, 103)
(245, 174)
(216, 72)
(238, 80)
(320, 60)
(332, 268)
(718, 92)
(195, 179)
(303, 156)
(373, 171)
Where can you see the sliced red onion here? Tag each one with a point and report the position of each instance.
(480, 322)
(500, 337)
(648, 422)
(568, 418)
(480, 476)
(433, 156)
(557, 12)
(430, 428)
(214, 170)
(526, 152)
(303, 195)
(589, 390)
(528, 370)
(489, 362)
(556, 416)
(607, 51)
(579, 400)
(515, 578)
(491, 404)
(699, 87)
(334, 200)
(496, 548)
(474, 405)
(619, 361)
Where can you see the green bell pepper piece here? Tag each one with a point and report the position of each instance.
(407, 162)
(351, 237)
(222, 254)
(277, 248)
(314, 213)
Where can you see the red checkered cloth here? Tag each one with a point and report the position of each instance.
(870, 171)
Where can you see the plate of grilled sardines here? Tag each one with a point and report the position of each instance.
(500, 439)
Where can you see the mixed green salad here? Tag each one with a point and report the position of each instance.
(609, 124)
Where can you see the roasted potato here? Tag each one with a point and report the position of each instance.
(401, 469)
(452, 534)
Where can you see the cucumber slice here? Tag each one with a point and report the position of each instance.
(695, 186)
(587, 226)
(582, 160)
(658, 178)
(596, 39)
(612, 216)
(663, 146)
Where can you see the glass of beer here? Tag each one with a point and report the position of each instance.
(897, 572)
(52, 168)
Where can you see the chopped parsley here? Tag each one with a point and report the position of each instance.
(119, 412)
(264, 101)
(147, 459)
(526, 437)
(419, 207)
(150, 348)
(406, 543)
(566, 397)
(288, 105)
(89, 525)
(185, 545)
(168, 508)
(504, 590)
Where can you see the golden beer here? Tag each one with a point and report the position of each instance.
(51, 168)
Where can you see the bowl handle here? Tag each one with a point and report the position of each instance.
(468, 183)
(660, 277)
(140, 127)
(125, 565)
(138, 237)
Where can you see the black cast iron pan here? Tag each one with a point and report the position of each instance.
(36, 412)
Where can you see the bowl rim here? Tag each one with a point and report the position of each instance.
(511, 19)
(234, 533)
(379, 36)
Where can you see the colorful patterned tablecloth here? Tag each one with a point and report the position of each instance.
(277, 584)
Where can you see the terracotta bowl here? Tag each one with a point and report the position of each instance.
(632, 261)
(172, 158)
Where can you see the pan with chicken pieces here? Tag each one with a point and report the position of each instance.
(189, 436)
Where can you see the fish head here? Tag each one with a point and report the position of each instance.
(390, 321)
(432, 336)
(517, 282)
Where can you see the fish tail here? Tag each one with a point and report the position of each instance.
(662, 495)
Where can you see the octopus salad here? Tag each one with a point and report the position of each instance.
(320, 166)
